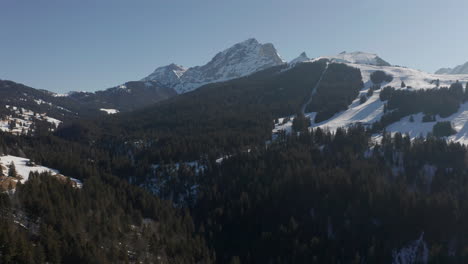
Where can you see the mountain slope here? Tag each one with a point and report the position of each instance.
(125, 97)
(237, 61)
(372, 109)
(358, 57)
(460, 69)
(301, 58)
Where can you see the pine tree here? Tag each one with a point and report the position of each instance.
(12, 170)
(362, 99)
(12, 125)
(466, 92)
(403, 84)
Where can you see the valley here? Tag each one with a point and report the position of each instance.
(246, 159)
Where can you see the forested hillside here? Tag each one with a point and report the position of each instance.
(200, 178)
(106, 221)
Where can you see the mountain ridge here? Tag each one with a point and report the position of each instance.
(239, 60)
(460, 69)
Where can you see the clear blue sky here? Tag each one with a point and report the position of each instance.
(64, 45)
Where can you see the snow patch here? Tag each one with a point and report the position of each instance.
(109, 111)
(414, 252)
(24, 166)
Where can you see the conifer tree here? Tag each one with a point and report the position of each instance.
(12, 170)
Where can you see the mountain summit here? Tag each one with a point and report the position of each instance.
(302, 58)
(167, 75)
(237, 61)
(359, 57)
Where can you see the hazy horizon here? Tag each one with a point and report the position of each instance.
(87, 45)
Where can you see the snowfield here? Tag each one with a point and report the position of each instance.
(418, 128)
(357, 57)
(109, 111)
(414, 78)
(24, 166)
(24, 121)
(373, 109)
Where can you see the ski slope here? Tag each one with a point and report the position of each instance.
(373, 109)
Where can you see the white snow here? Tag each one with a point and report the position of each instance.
(51, 120)
(23, 170)
(60, 95)
(40, 101)
(414, 78)
(109, 111)
(24, 120)
(418, 128)
(302, 58)
(372, 110)
(357, 57)
(240, 60)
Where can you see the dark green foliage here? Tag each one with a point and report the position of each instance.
(443, 102)
(217, 118)
(310, 197)
(457, 89)
(91, 225)
(62, 108)
(386, 93)
(465, 97)
(370, 92)
(362, 99)
(432, 102)
(379, 77)
(12, 170)
(319, 197)
(443, 129)
(135, 95)
(300, 123)
(339, 87)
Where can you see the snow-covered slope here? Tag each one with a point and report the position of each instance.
(357, 57)
(373, 109)
(23, 167)
(414, 78)
(21, 121)
(418, 128)
(237, 61)
(460, 69)
(167, 75)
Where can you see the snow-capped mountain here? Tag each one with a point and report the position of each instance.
(237, 61)
(167, 75)
(358, 57)
(302, 58)
(460, 69)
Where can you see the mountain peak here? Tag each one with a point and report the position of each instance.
(250, 41)
(359, 57)
(239, 60)
(460, 69)
(302, 58)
